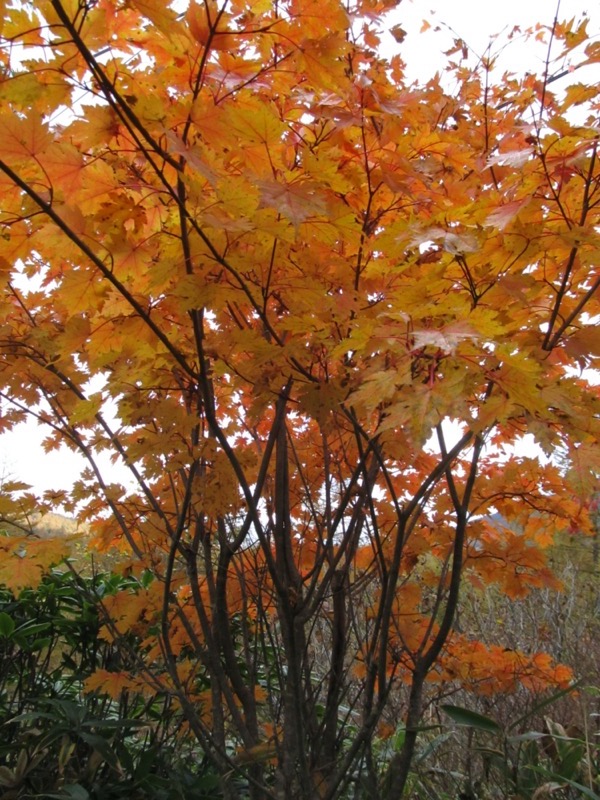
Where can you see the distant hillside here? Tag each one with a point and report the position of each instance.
(50, 524)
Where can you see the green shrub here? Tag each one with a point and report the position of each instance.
(56, 741)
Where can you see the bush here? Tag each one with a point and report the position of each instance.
(58, 741)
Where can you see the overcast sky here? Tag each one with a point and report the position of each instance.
(480, 25)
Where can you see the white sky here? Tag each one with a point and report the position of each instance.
(477, 23)
(481, 25)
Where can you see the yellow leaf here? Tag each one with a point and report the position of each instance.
(111, 683)
(23, 137)
(20, 573)
(297, 201)
(159, 13)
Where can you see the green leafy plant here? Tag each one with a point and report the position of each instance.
(526, 763)
(57, 741)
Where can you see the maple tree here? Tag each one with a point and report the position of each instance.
(311, 309)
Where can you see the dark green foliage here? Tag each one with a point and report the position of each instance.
(56, 741)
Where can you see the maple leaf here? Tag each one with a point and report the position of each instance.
(584, 468)
(110, 683)
(446, 339)
(297, 201)
(20, 573)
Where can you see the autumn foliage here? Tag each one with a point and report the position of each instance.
(311, 309)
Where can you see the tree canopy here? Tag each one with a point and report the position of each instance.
(312, 309)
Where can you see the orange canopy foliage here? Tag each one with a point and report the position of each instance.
(309, 308)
